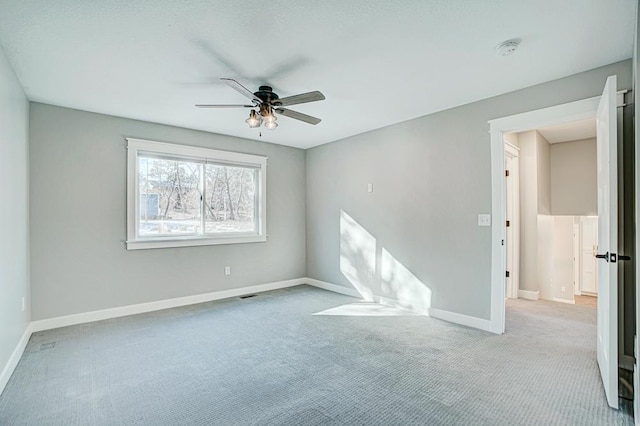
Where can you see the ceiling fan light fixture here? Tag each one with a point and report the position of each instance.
(271, 124)
(254, 119)
(264, 102)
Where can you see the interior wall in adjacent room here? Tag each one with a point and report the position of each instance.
(574, 178)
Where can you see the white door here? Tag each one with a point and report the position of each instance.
(589, 248)
(509, 240)
(512, 215)
(608, 241)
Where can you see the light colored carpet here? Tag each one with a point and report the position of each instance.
(268, 360)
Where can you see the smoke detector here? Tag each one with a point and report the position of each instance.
(508, 47)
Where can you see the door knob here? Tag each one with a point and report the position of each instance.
(603, 256)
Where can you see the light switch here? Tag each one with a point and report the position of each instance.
(484, 220)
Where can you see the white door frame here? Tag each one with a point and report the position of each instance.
(514, 174)
(559, 114)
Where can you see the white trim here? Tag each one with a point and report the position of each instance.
(440, 314)
(12, 363)
(511, 149)
(122, 311)
(333, 287)
(192, 242)
(194, 152)
(529, 295)
(469, 321)
(87, 317)
(567, 301)
(202, 155)
(558, 114)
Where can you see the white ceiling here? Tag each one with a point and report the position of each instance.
(567, 132)
(378, 62)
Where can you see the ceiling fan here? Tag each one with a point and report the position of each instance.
(265, 103)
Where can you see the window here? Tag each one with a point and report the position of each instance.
(187, 196)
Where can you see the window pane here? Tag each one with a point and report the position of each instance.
(169, 197)
(230, 202)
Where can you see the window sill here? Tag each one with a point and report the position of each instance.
(192, 242)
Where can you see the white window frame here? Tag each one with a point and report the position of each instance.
(137, 146)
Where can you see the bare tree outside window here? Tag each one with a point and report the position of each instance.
(175, 184)
(182, 196)
(171, 193)
(230, 199)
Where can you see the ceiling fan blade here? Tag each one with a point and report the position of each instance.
(241, 89)
(301, 98)
(298, 116)
(224, 106)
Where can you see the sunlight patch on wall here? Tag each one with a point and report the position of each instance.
(376, 274)
(401, 285)
(357, 255)
(365, 309)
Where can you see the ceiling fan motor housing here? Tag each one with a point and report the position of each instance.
(266, 94)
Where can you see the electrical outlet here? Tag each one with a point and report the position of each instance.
(484, 220)
(227, 270)
(564, 289)
(24, 305)
(369, 187)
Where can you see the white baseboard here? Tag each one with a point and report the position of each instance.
(12, 363)
(558, 299)
(333, 287)
(122, 311)
(85, 317)
(440, 314)
(469, 321)
(528, 294)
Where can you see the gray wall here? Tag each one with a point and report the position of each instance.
(14, 214)
(431, 178)
(78, 218)
(528, 210)
(574, 188)
(544, 174)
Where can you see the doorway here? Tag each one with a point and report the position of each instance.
(574, 111)
(555, 169)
